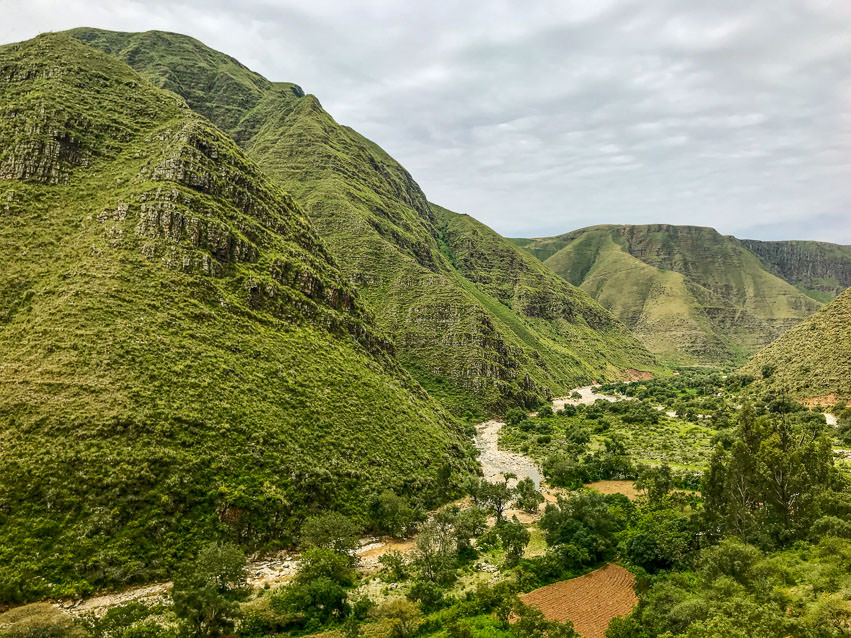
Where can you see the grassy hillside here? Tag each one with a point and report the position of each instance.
(813, 359)
(560, 325)
(180, 357)
(377, 220)
(692, 295)
(816, 268)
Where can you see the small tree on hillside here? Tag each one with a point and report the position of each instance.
(333, 531)
(204, 590)
(527, 498)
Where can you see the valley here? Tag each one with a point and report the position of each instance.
(255, 383)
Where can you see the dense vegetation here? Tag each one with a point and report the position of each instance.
(762, 549)
(693, 296)
(476, 347)
(181, 358)
(813, 359)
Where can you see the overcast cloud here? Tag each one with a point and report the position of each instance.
(541, 117)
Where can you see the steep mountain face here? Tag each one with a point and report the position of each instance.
(377, 220)
(692, 295)
(559, 325)
(180, 357)
(811, 361)
(818, 269)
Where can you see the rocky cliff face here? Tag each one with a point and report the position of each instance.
(819, 269)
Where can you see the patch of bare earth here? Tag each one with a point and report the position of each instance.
(627, 488)
(589, 602)
(825, 399)
(632, 374)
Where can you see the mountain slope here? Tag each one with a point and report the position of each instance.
(692, 295)
(813, 359)
(818, 269)
(377, 220)
(180, 357)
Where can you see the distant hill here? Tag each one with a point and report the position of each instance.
(818, 269)
(388, 239)
(693, 296)
(811, 361)
(180, 356)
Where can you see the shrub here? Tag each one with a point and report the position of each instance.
(204, 590)
(333, 531)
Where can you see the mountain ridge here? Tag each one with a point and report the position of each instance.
(692, 295)
(180, 357)
(369, 209)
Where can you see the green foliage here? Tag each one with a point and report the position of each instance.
(693, 296)
(395, 566)
(38, 620)
(526, 497)
(204, 590)
(513, 537)
(813, 359)
(769, 486)
(736, 590)
(317, 596)
(131, 620)
(435, 554)
(582, 529)
(392, 514)
(164, 334)
(515, 415)
(333, 531)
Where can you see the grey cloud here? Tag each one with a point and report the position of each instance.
(538, 118)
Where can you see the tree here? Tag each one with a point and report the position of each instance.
(527, 498)
(515, 416)
(514, 538)
(434, 553)
(318, 593)
(468, 524)
(204, 590)
(496, 496)
(772, 480)
(392, 514)
(333, 531)
(531, 623)
(403, 616)
(655, 482)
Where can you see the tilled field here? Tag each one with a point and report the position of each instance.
(590, 601)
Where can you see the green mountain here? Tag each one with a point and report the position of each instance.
(180, 356)
(450, 331)
(818, 269)
(812, 360)
(693, 296)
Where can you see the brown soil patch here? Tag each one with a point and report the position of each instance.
(632, 374)
(825, 399)
(627, 488)
(590, 601)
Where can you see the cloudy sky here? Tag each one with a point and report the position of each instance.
(541, 117)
